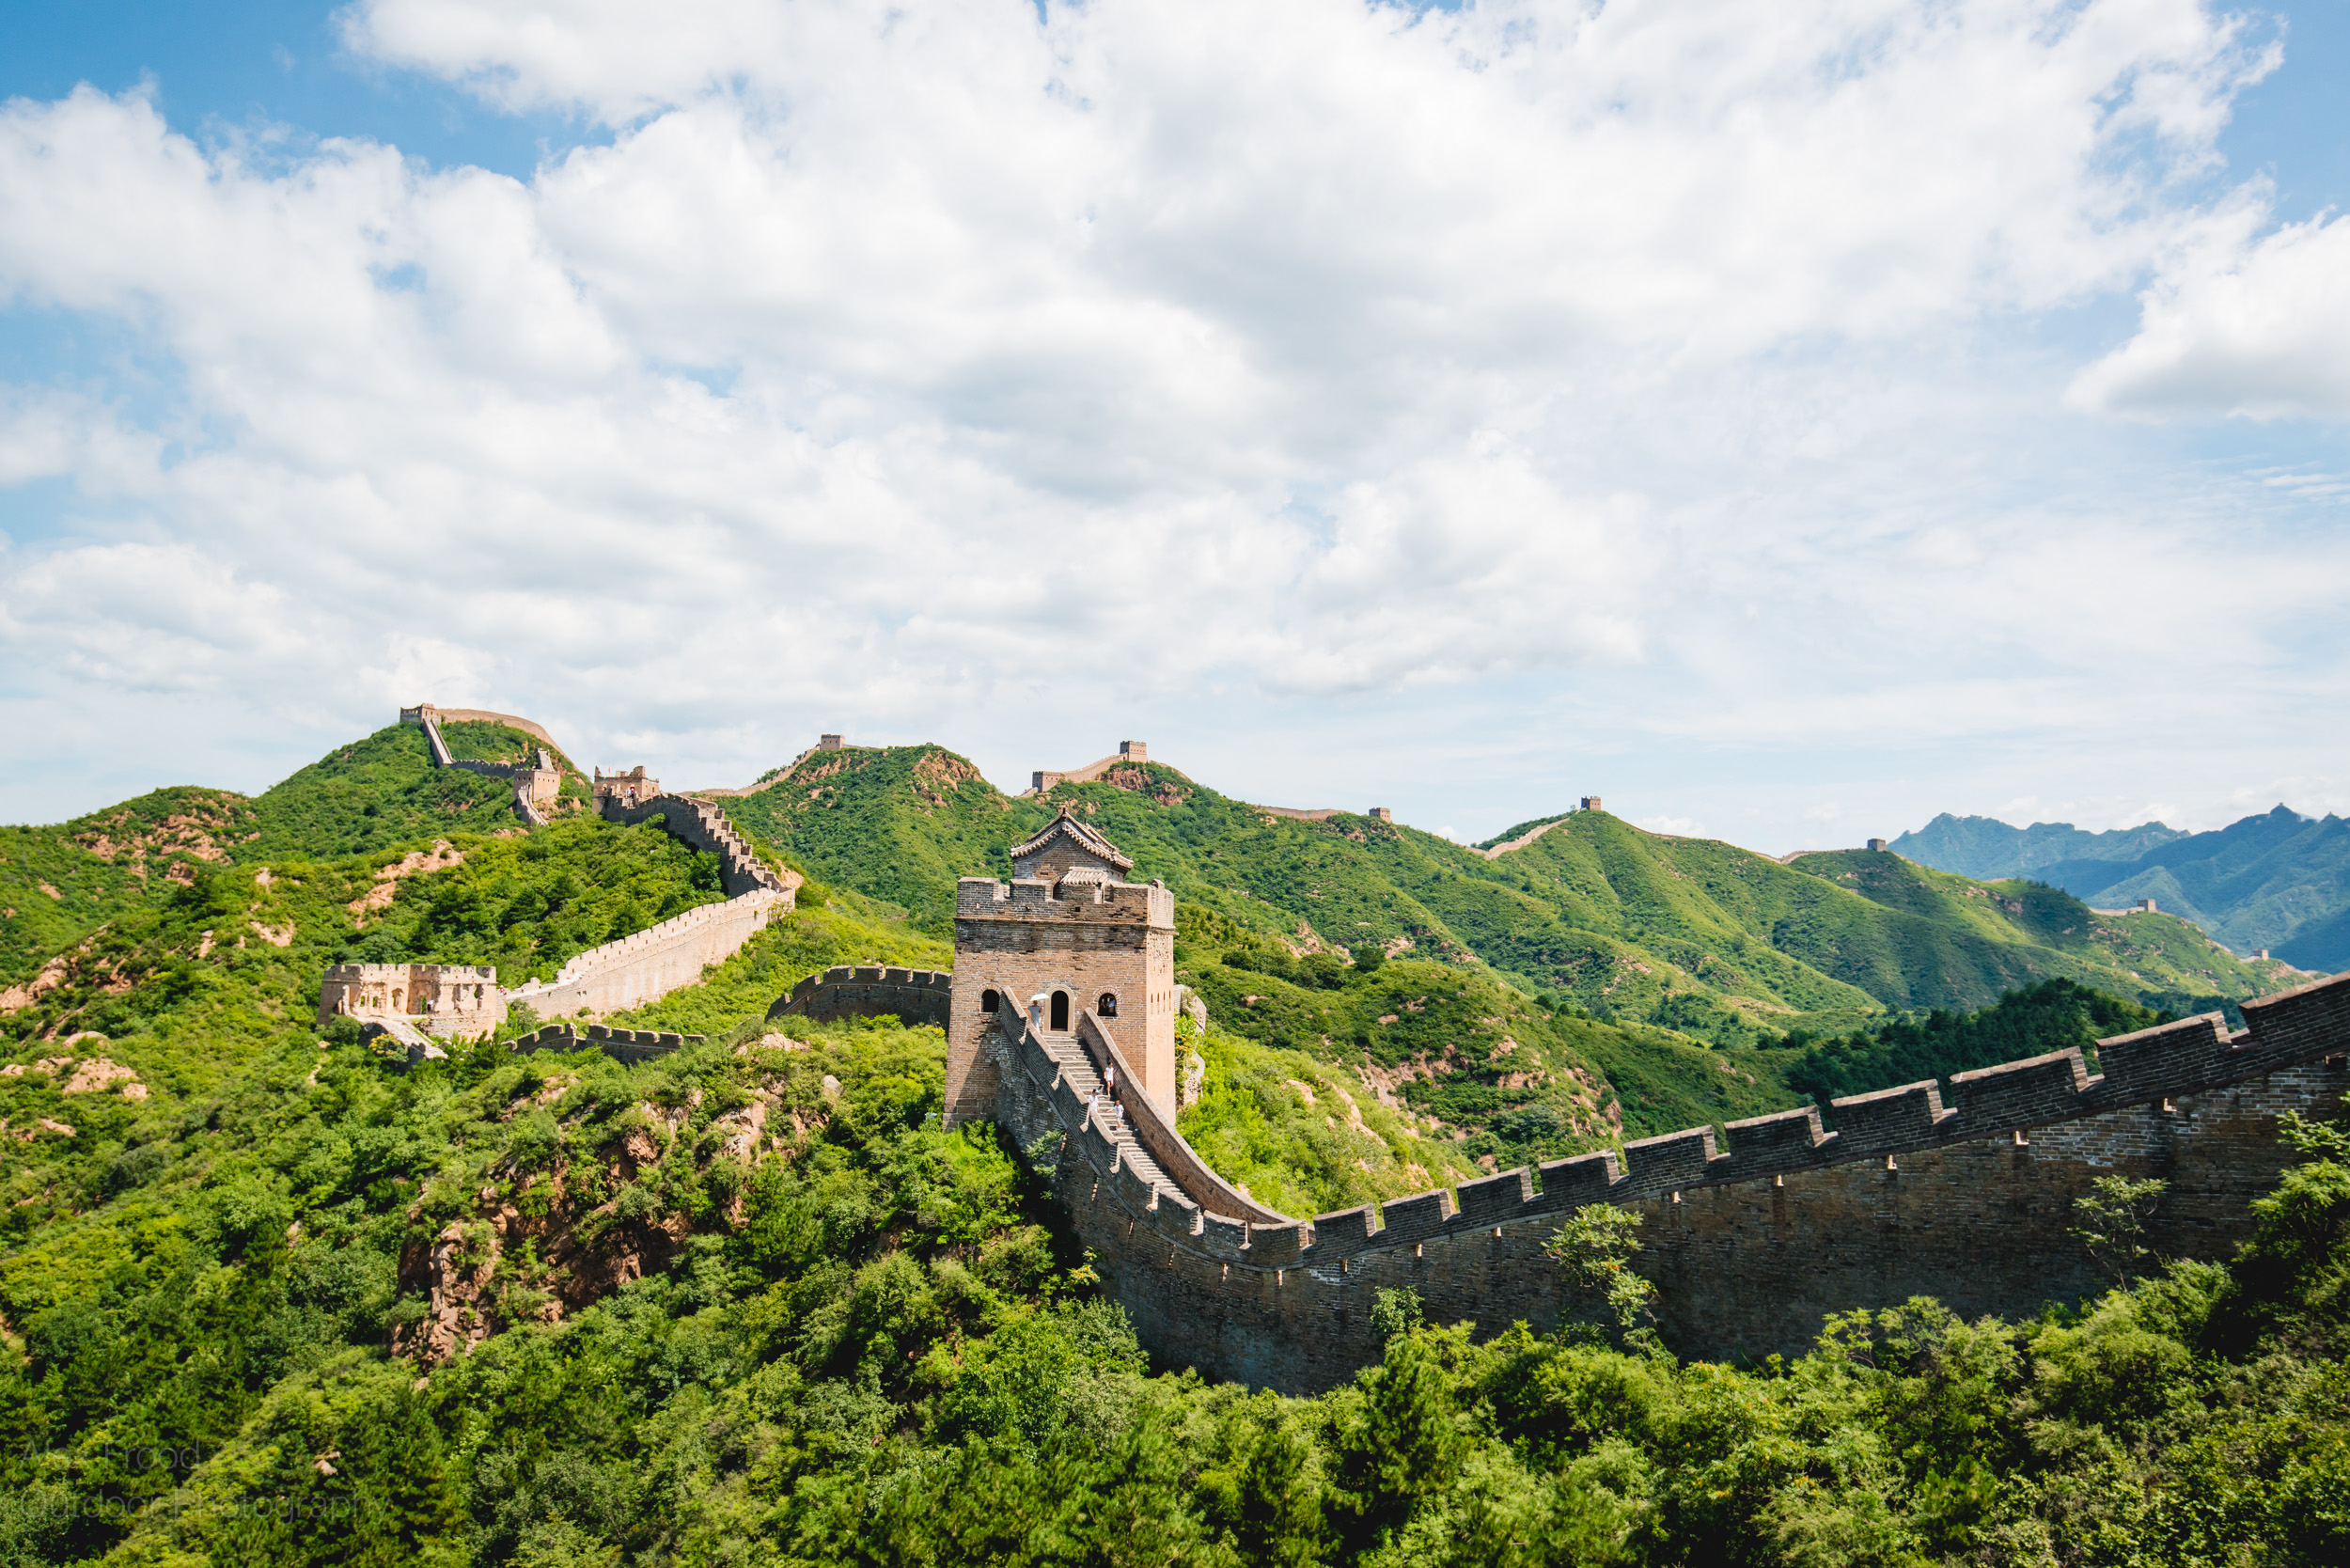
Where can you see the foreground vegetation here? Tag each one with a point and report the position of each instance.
(268, 1298)
(868, 1341)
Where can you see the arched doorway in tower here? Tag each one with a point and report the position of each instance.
(988, 1003)
(1060, 1009)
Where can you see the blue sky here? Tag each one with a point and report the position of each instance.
(1788, 426)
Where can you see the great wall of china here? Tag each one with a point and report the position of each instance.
(1962, 1190)
(536, 783)
(414, 1002)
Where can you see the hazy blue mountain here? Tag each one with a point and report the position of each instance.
(2279, 881)
(1986, 849)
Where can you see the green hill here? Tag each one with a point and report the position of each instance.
(2280, 880)
(58, 883)
(1639, 982)
(290, 1305)
(1713, 942)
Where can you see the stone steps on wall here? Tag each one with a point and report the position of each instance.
(1077, 1070)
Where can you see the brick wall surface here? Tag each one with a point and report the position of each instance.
(1966, 1197)
(869, 991)
(1087, 939)
(656, 961)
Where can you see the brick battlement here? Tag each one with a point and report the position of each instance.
(982, 898)
(622, 1045)
(869, 991)
(1217, 1279)
(705, 826)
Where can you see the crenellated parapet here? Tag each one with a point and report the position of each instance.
(869, 991)
(706, 827)
(2194, 1055)
(621, 1046)
(1960, 1187)
(1074, 899)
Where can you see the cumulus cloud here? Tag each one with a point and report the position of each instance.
(954, 369)
(2256, 327)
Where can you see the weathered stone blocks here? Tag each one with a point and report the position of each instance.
(1496, 1197)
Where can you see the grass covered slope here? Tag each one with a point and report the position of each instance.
(384, 790)
(1954, 942)
(58, 883)
(1466, 1058)
(230, 959)
(1695, 937)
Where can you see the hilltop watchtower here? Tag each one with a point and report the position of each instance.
(1071, 928)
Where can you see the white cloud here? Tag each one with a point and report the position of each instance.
(2257, 328)
(937, 369)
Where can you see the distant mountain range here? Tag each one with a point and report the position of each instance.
(2279, 881)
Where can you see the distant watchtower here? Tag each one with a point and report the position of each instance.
(1068, 927)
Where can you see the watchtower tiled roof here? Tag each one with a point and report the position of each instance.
(1078, 833)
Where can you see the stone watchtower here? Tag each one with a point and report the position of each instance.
(1071, 928)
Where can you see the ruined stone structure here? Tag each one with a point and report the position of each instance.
(451, 1000)
(1128, 751)
(627, 788)
(1070, 930)
(870, 991)
(1963, 1190)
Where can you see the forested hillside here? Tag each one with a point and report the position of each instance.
(1710, 941)
(749, 1304)
(58, 883)
(268, 1297)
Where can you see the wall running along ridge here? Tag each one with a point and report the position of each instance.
(534, 785)
(706, 828)
(649, 965)
(869, 991)
(1962, 1191)
(631, 972)
(1043, 779)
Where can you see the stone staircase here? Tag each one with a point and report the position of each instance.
(1077, 1070)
